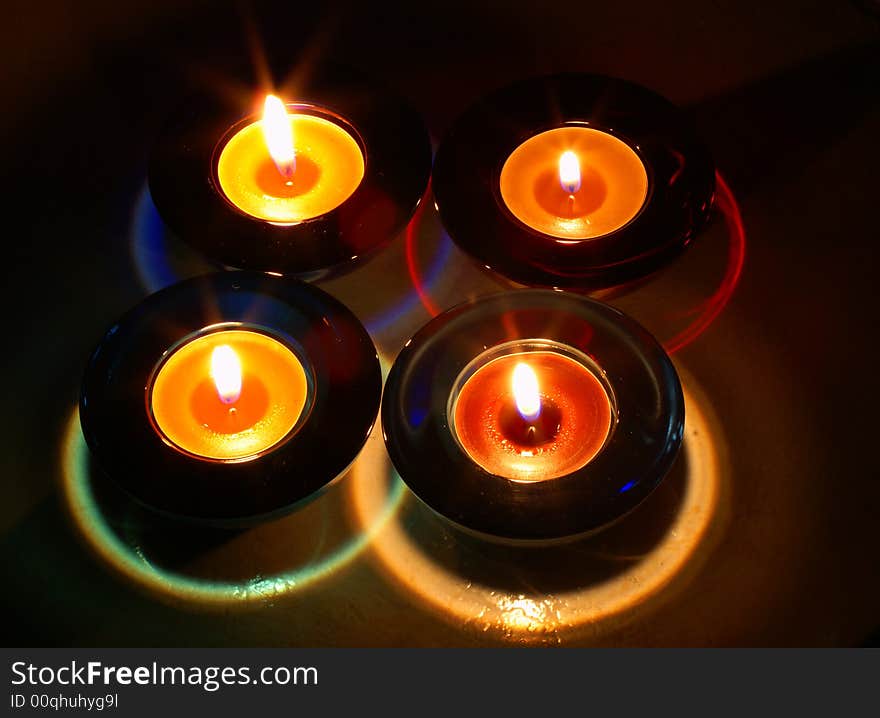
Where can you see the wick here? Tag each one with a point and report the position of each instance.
(287, 169)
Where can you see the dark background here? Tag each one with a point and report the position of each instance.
(786, 95)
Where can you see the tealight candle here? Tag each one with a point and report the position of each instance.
(309, 188)
(530, 415)
(289, 167)
(227, 395)
(229, 398)
(574, 183)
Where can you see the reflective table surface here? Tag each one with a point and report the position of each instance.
(765, 532)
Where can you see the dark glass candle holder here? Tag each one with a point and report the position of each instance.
(599, 460)
(396, 151)
(637, 125)
(134, 433)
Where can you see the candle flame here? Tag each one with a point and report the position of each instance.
(278, 134)
(525, 391)
(569, 172)
(226, 373)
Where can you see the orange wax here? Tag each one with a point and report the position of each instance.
(612, 187)
(575, 417)
(328, 169)
(189, 411)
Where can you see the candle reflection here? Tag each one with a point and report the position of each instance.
(577, 592)
(211, 569)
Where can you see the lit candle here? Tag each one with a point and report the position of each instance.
(307, 188)
(289, 167)
(228, 395)
(530, 415)
(574, 183)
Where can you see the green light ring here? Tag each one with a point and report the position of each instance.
(134, 566)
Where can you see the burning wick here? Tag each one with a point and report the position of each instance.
(525, 392)
(278, 134)
(226, 373)
(570, 174)
(529, 422)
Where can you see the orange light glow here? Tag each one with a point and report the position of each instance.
(525, 391)
(278, 132)
(259, 173)
(226, 373)
(558, 420)
(631, 587)
(569, 172)
(228, 395)
(574, 183)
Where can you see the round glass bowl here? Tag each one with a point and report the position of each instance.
(631, 420)
(188, 190)
(310, 390)
(648, 182)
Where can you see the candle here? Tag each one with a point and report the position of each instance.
(230, 397)
(574, 183)
(305, 189)
(530, 415)
(289, 167)
(227, 395)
